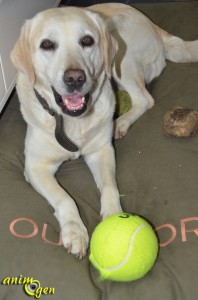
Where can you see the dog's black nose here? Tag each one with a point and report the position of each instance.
(74, 79)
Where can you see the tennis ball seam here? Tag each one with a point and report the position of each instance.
(114, 268)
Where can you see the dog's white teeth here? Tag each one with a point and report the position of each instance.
(74, 102)
(73, 107)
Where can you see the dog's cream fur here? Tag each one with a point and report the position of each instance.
(139, 48)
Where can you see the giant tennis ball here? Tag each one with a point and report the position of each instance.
(123, 247)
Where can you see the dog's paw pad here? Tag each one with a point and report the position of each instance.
(75, 239)
(121, 128)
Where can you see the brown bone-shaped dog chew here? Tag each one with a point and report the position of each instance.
(180, 122)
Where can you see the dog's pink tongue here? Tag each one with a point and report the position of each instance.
(73, 101)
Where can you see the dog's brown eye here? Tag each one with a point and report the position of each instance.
(47, 45)
(87, 41)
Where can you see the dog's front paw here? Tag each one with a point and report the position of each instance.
(109, 212)
(109, 208)
(75, 238)
(110, 202)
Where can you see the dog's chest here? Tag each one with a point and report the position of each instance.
(88, 134)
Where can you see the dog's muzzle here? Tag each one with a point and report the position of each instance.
(74, 103)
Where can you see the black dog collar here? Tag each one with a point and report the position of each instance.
(60, 135)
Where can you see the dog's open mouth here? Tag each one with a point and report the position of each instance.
(73, 105)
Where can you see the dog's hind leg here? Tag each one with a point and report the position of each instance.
(141, 102)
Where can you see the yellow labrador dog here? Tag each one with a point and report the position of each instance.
(65, 58)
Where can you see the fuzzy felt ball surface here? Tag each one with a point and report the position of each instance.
(123, 103)
(123, 247)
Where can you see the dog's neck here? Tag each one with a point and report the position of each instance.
(59, 133)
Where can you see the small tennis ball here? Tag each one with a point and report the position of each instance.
(123, 247)
(123, 102)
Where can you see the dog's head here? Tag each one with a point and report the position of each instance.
(67, 50)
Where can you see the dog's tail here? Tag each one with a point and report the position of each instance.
(178, 50)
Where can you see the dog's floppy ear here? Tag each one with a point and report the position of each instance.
(109, 44)
(21, 53)
(110, 47)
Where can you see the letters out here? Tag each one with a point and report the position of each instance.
(187, 227)
(34, 232)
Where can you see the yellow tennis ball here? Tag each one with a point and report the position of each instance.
(123, 103)
(123, 247)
